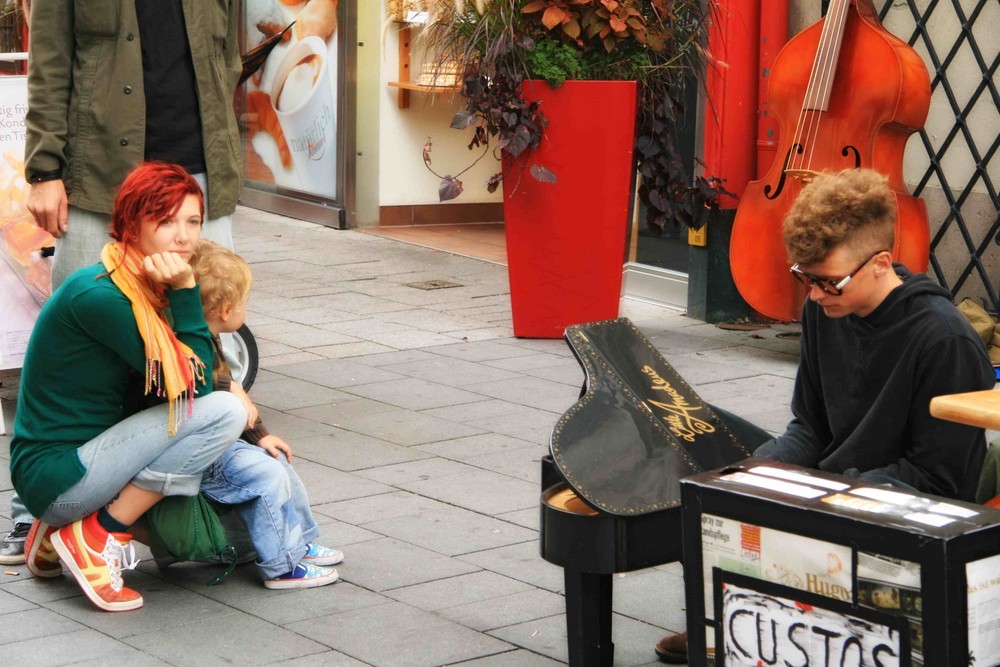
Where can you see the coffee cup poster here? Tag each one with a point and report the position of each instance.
(291, 102)
(25, 276)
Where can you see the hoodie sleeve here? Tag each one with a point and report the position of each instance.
(940, 456)
(801, 443)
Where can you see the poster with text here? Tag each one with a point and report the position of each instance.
(290, 111)
(25, 276)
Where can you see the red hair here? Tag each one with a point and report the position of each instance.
(153, 191)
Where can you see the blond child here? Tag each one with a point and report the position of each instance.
(255, 474)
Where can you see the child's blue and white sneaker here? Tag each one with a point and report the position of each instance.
(318, 555)
(304, 576)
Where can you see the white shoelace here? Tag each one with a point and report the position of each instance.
(118, 557)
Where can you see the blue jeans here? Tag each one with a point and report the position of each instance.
(270, 500)
(18, 512)
(139, 450)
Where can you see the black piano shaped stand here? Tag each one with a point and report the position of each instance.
(591, 549)
(622, 447)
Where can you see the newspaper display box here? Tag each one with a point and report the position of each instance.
(788, 566)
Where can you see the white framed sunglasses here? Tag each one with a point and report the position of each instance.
(829, 285)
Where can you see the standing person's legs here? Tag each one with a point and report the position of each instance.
(219, 230)
(80, 246)
(12, 545)
(18, 512)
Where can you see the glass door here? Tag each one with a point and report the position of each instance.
(657, 268)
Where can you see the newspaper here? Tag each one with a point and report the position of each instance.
(982, 578)
(784, 558)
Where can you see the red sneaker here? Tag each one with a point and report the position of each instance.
(41, 559)
(96, 559)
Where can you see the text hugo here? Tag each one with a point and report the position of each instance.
(761, 639)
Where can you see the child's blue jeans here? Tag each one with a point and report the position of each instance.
(270, 500)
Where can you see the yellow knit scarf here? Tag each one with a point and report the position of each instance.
(171, 366)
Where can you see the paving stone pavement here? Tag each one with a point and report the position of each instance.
(418, 422)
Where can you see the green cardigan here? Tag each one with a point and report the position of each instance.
(73, 382)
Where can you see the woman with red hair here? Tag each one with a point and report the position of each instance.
(78, 460)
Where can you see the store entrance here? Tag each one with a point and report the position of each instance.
(657, 270)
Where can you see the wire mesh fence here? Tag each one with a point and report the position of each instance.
(952, 163)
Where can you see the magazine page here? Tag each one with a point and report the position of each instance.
(893, 585)
(792, 560)
(982, 578)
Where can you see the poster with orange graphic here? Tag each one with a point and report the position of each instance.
(25, 275)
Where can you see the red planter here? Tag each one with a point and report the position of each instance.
(566, 241)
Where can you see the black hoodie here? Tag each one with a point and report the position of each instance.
(864, 385)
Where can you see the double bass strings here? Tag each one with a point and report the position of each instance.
(817, 94)
(831, 56)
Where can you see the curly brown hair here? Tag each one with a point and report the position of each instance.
(853, 208)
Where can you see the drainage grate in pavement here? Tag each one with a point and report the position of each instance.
(742, 326)
(433, 284)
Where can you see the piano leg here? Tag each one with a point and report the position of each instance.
(588, 619)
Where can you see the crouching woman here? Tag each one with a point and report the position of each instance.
(78, 460)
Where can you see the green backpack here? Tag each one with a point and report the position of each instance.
(189, 528)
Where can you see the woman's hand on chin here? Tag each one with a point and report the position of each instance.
(169, 269)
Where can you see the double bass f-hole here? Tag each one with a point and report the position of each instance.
(796, 148)
(857, 156)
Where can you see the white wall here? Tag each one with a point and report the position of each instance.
(403, 179)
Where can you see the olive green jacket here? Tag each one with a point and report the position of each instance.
(86, 106)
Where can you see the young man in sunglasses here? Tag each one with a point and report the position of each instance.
(878, 342)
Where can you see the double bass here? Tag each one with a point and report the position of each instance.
(846, 94)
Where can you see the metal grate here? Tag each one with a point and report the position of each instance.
(433, 284)
(956, 171)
